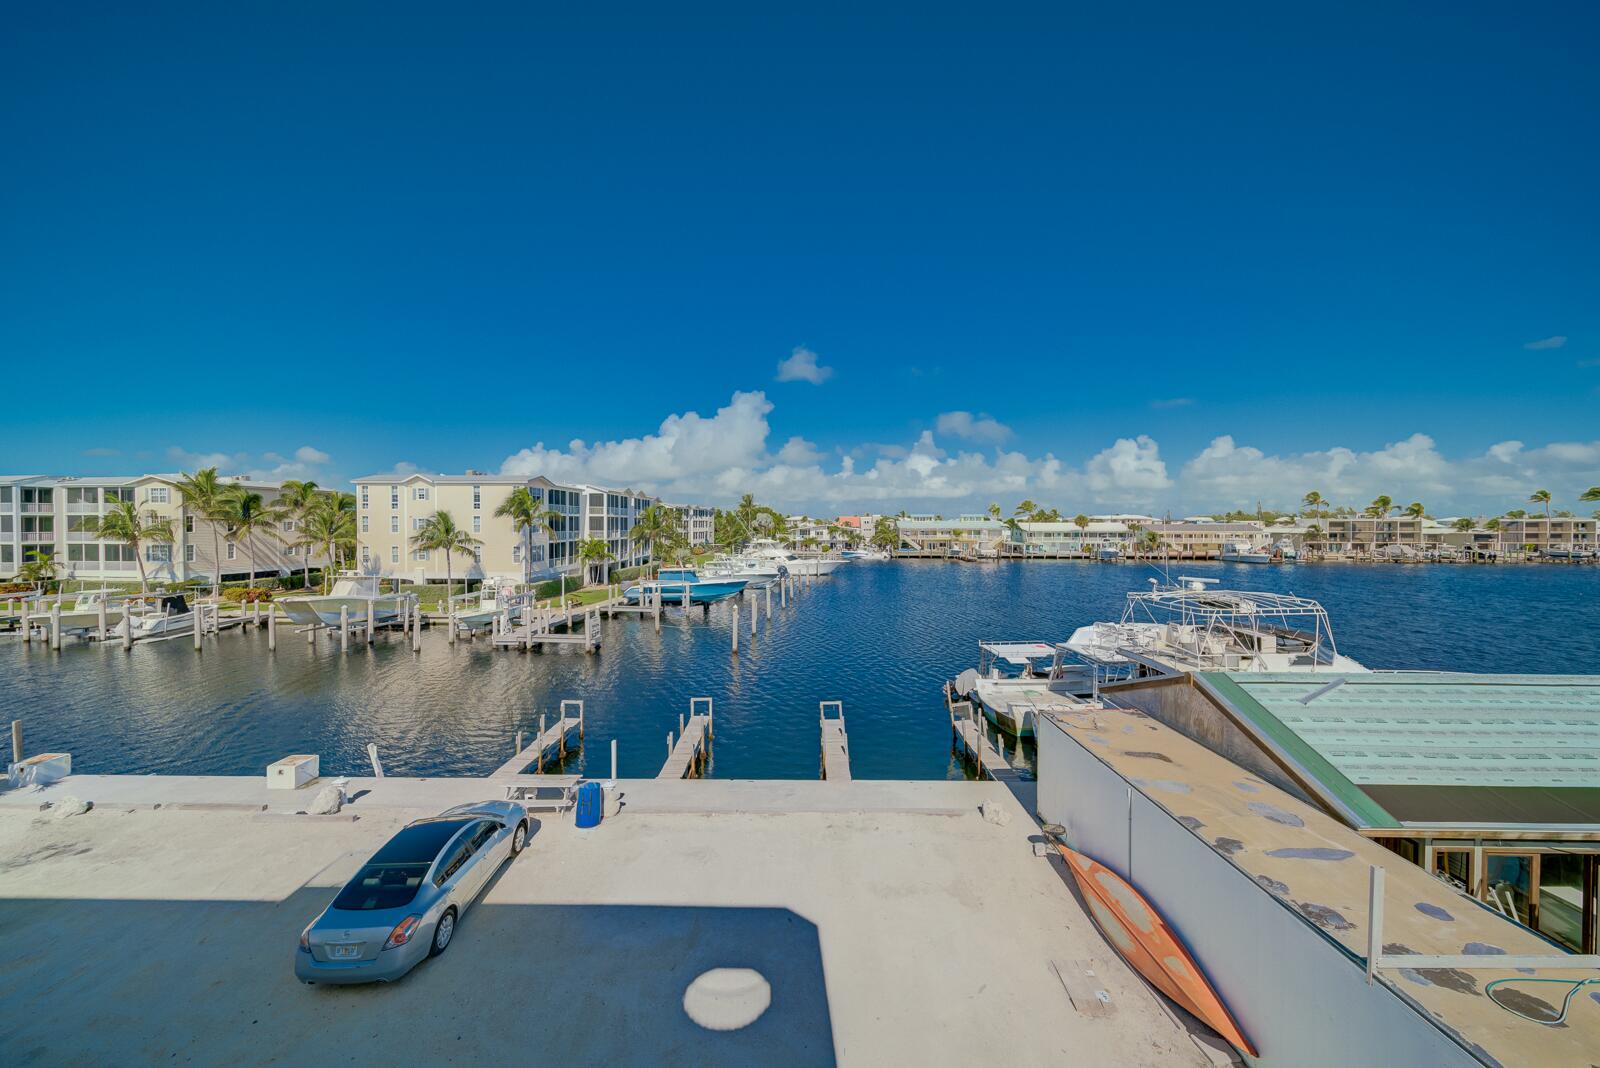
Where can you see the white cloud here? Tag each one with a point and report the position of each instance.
(1553, 342)
(307, 463)
(802, 366)
(972, 427)
(713, 459)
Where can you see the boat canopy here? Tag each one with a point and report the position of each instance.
(1018, 653)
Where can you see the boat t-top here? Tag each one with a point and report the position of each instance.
(352, 590)
(1190, 626)
(495, 600)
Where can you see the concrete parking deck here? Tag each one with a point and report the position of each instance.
(893, 924)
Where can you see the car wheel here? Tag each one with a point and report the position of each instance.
(443, 931)
(519, 838)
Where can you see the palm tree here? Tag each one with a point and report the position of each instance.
(593, 552)
(1026, 507)
(886, 535)
(1314, 534)
(1314, 502)
(1590, 494)
(1541, 497)
(246, 513)
(124, 524)
(1149, 542)
(525, 512)
(1493, 524)
(296, 499)
(439, 533)
(40, 569)
(1517, 513)
(1463, 524)
(657, 527)
(204, 492)
(1414, 510)
(1380, 506)
(329, 528)
(994, 511)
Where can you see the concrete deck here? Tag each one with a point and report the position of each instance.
(894, 925)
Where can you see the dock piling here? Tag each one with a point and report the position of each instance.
(769, 606)
(755, 610)
(127, 630)
(27, 623)
(199, 624)
(16, 746)
(416, 626)
(344, 628)
(272, 627)
(372, 755)
(255, 613)
(55, 626)
(372, 618)
(100, 621)
(541, 735)
(519, 742)
(735, 628)
(613, 760)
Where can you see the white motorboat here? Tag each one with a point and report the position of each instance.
(773, 552)
(1190, 626)
(1286, 550)
(1243, 552)
(161, 615)
(495, 600)
(1017, 681)
(80, 612)
(352, 590)
(757, 573)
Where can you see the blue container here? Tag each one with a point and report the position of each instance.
(591, 805)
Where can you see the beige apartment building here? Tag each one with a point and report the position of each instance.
(1556, 536)
(1367, 534)
(391, 509)
(50, 514)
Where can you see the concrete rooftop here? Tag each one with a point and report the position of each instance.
(893, 923)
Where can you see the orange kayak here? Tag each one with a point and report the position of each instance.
(1145, 941)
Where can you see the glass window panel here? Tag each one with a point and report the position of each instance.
(1561, 898)
(1508, 884)
(1454, 866)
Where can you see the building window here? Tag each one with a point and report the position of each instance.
(364, 500)
(366, 556)
(417, 521)
(83, 554)
(363, 524)
(516, 554)
(420, 554)
(233, 550)
(188, 554)
(188, 524)
(288, 526)
(158, 553)
(288, 550)
(75, 495)
(394, 524)
(394, 554)
(159, 494)
(477, 498)
(421, 493)
(477, 524)
(394, 496)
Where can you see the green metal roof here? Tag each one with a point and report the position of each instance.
(1502, 736)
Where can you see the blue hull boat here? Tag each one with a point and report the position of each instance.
(671, 584)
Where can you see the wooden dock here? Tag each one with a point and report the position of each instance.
(539, 627)
(550, 739)
(688, 753)
(968, 727)
(835, 743)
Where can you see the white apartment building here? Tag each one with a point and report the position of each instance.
(391, 509)
(1064, 538)
(977, 535)
(699, 523)
(50, 513)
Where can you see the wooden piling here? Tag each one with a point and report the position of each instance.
(372, 755)
(27, 623)
(540, 762)
(127, 629)
(613, 759)
(16, 746)
(519, 742)
(416, 626)
(272, 627)
(755, 610)
(199, 628)
(344, 628)
(735, 628)
(372, 618)
(100, 621)
(55, 625)
(769, 605)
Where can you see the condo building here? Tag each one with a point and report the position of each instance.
(52, 514)
(1556, 536)
(392, 509)
(699, 522)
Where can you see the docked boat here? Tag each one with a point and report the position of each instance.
(1190, 626)
(758, 574)
(351, 590)
(80, 612)
(1017, 681)
(863, 554)
(674, 584)
(1243, 552)
(1285, 550)
(161, 615)
(495, 601)
(772, 552)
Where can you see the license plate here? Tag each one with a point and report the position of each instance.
(344, 952)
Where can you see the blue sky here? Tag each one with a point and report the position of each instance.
(1154, 256)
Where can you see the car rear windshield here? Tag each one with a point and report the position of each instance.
(382, 886)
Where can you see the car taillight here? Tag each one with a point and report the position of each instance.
(402, 932)
(305, 937)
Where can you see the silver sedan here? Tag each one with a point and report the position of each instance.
(404, 903)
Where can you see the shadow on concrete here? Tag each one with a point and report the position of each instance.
(141, 982)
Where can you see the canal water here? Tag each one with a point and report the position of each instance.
(879, 636)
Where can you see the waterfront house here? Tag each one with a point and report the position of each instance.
(50, 514)
(1066, 540)
(1365, 535)
(1558, 534)
(967, 535)
(392, 508)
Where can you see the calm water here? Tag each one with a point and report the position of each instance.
(881, 637)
